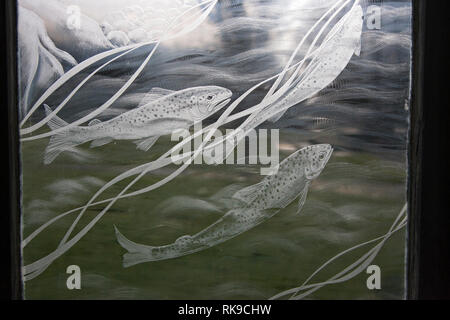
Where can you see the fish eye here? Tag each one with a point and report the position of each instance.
(321, 157)
(209, 97)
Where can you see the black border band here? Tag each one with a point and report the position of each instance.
(428, 274)
(11, 284)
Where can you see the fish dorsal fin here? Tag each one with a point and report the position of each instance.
(248, 194)
(94, 122)
(155, 94)
(160, 91)
(148, 98)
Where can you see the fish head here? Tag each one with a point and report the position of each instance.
(205, 101)
(316, 157)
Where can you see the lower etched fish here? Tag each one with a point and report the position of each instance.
(257, 203)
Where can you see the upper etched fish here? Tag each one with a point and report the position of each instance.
(256, 204)
(327, 63)
(161, 112)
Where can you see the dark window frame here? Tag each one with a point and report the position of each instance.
(10, 282)
(428, 262)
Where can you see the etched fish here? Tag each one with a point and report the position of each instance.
(161, 112)
(257, 203)
(330, 59)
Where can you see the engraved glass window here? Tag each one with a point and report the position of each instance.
(236, 149)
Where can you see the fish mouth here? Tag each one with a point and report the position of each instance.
(222, 103)
(330, 152)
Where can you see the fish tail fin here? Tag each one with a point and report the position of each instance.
(58, 142)
(137, 253)
(132, 259)
(55, 122)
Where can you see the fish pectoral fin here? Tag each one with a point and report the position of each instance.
(148, 98)
(146, 144)
(277, 117)
(302, 199)
(101, 142)
(248, 194)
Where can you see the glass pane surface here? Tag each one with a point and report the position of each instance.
(184, 149)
